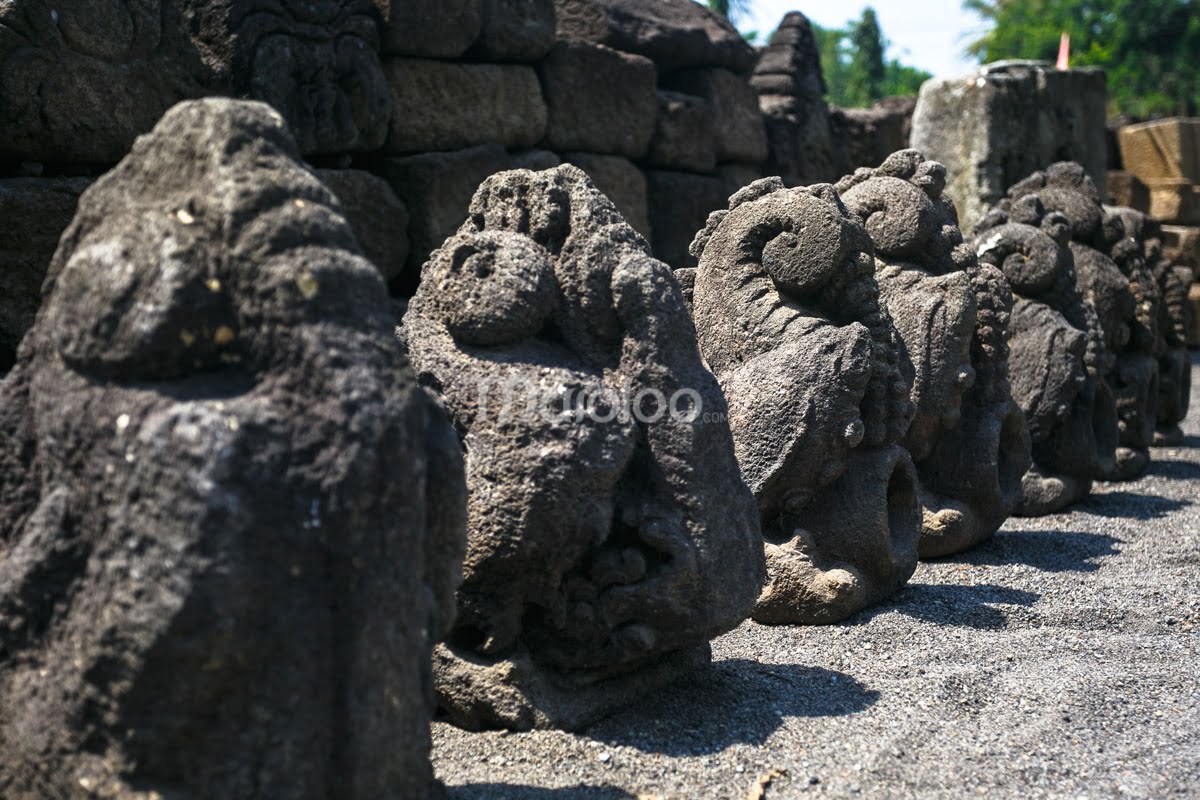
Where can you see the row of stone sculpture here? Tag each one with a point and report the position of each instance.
(231, 524)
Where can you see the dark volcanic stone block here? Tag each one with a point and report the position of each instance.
(377, 217)
(739, 130)
(792, 98)
(515, 30)
(430, 28)
(445, 106)
(600, 100)
(80, 80)
(674, 33)
(995, 127)
(437, 188)
(35, 212)
(231, 523)
(679, 204)
(684, 134)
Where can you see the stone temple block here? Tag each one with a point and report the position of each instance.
(1012, 118)
(1164, 148)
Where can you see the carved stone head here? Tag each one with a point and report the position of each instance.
(610, 533)
(967, 437)
(787, 311)
(221, 490)
(1056, 354)
(1115, 280)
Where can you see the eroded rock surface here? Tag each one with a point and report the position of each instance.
(968, 436)
(610, 534)
(230, 521)
(80, 79)
(1057, 355)
(788, 317)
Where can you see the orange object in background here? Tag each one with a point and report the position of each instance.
(1064, 51)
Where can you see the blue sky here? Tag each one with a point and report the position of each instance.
(930, 34)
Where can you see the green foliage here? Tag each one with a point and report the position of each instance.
(867, 68)
(1148, 47)
(855, 68)
(730, 9)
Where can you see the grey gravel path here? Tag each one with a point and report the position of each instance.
(1060, 659)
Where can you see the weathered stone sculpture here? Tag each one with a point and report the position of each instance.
(967, 437)
(1057, 355)
(609, 533)
(230, 522)
(1160, 284)
(788, 317)
(80, 79)
(1175, 361)
(1114, 279)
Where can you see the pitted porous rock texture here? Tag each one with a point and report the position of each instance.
(1115, 280)
(968, 437)
(81, 79)
(1057, 355)
(788, 315)
(230, 520)
(610, 535)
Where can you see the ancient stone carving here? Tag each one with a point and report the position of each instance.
(1175, 320)
(1159, 286)
(788, 317)
(968, 436)
(609, 533)
(314, 61)
(1057, 355)
(80, 79)
(230, 521)
(1113, 276)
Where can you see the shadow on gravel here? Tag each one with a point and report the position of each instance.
(1175, 470)
(503, 791)
(965, 606)
(735, 701)
(1130, 505)
(1049, 551)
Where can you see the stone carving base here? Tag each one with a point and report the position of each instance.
(876, 498)
(991, 447)
(1043, 494)
(519, 694)
(1169, 436)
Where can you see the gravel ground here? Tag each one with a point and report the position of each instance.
(1060, 659)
